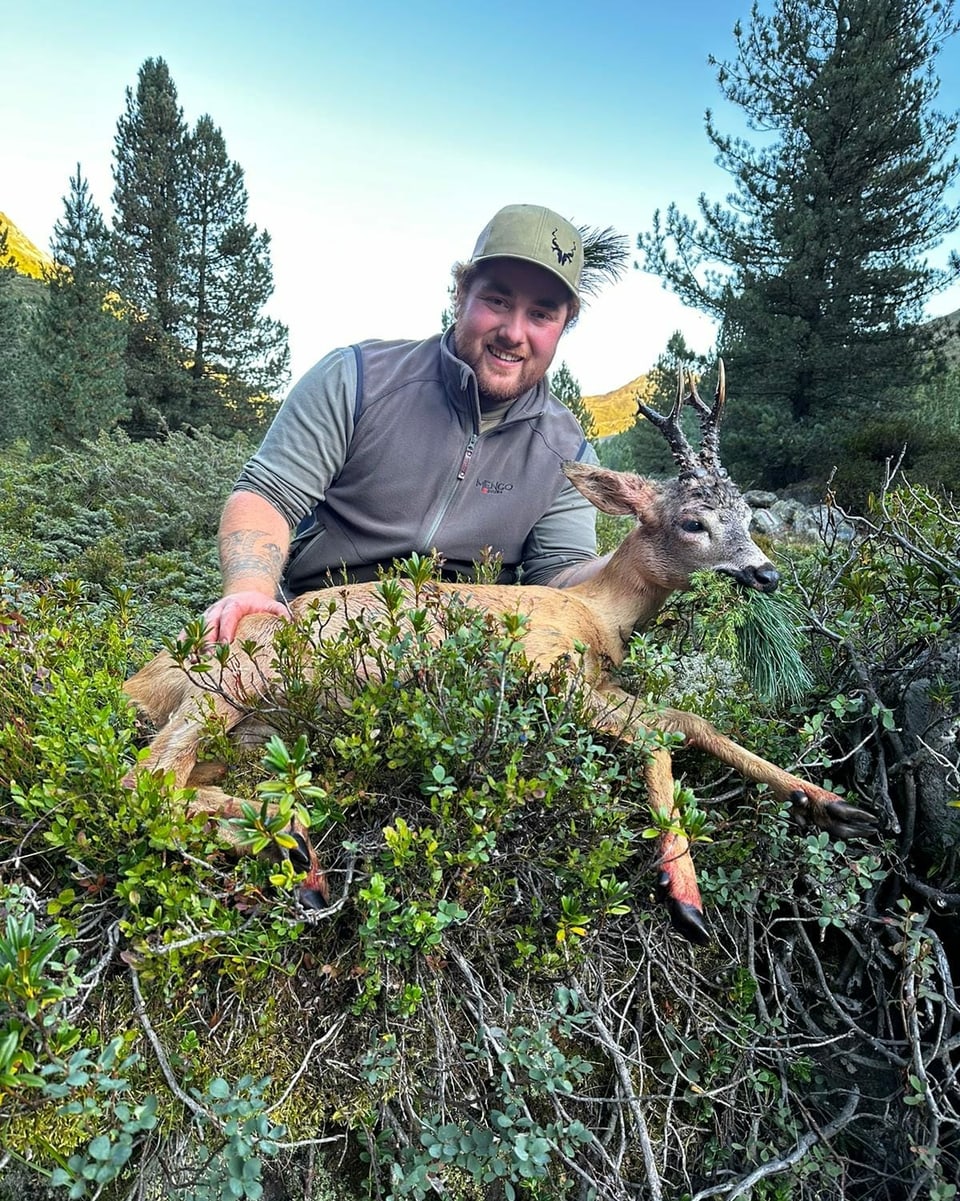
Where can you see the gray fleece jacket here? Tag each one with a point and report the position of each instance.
(377, 453)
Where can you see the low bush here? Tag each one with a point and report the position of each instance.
(140, 515)
(492, 1000)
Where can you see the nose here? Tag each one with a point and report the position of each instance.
(511, 331)
(764, 578)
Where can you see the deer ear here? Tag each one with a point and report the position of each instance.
(620, 493)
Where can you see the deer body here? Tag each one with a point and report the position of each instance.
(695, 523)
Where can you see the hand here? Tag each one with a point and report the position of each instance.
(223, 617)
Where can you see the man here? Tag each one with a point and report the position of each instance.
(453, 444)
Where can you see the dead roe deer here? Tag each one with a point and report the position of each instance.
(696, 522)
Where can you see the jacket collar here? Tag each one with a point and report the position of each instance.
(460, 385)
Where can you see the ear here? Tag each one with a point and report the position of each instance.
(620, 493)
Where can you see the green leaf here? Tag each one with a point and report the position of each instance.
(100, 1147)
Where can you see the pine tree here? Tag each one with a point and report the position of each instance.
(818, 269)
(77, 337)
(566, 388)
(195, 273)
(13, 423)
(148, 197)
(239, 355)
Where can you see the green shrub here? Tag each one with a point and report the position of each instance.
(492, 998)
(141, 515)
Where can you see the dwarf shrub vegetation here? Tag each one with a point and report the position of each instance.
(123, 514)
(492, 1000)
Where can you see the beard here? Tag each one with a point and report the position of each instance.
(493, 390)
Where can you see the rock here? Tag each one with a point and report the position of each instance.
(765, 521)
(758, 499)
(931, 732)
(786, 517)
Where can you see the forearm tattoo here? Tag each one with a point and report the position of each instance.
(250, 552)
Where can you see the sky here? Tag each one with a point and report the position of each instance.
(378, 138)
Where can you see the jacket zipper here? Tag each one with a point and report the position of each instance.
(451, 491)
(467, 455)
(461, 474)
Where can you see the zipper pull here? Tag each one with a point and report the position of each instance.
(467, 455)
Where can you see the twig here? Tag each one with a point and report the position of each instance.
(317, 1042)
(623, 1075)
(140, 1009)
(92, 978)
(739, 1188)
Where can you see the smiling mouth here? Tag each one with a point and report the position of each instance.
(504, 356)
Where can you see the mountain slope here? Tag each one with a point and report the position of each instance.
(26, 257)
(616, 411)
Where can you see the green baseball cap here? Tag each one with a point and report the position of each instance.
(535, 235)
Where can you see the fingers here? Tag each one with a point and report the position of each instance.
(222, 618)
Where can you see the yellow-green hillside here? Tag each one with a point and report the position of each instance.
(27, 258)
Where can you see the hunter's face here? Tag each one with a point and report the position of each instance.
(508, 326)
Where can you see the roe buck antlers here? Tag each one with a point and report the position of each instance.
(696, 522)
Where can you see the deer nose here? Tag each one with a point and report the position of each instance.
(764, 578)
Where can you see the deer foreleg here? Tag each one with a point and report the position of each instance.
(824, 808)
(677, 881)
(619, 713)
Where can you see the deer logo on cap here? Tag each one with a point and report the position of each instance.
(563, 256)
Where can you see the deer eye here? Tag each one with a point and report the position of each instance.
(692, 526)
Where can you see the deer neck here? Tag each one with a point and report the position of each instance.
(621, 600)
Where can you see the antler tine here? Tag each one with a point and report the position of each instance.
(710, 423)
(684, 454)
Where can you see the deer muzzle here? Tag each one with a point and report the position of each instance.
(762, 578)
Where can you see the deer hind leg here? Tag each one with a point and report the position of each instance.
(175, 749)
(617, 712)
(677, 881)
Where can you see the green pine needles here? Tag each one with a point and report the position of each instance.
(761, 636)
(769, 645)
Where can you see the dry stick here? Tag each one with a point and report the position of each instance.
(317, 1042)
(309, 1174)
(140, 1009)
(742, 1187)
(401, 1135)
(946, 976)
(623, 1075)
(92, 978)
(879, 1045)
(909, 1008)
(488, 1033)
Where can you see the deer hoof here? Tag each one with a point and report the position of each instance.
(847, 821)
(836, 817)
(314, 891)
(300, 855)
(313, 897)
(688, 921)
(685, 917)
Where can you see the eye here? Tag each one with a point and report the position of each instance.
(691, 526)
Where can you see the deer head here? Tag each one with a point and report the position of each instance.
(697, 522)
(703, 509)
